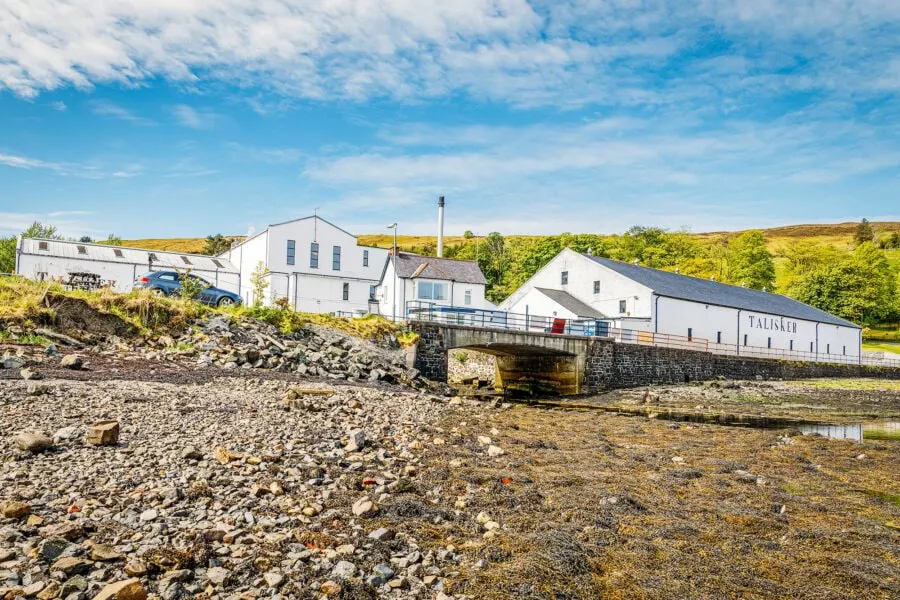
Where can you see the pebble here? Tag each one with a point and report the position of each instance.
(343, 570)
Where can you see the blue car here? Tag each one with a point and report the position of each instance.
(167, 283)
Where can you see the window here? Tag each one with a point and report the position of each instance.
(745, 339)
(82, 250)
(718, 337)
(828, 349)
(43, 246)
(118, 253)
(167, 277)
(690, 334)
(623, 306)
(845, 350)
(467, 298)
(564, 278)
(365, 258)
(371, 292)
(792, 345)
(218, 264)
(346, 291)
(314, 255)
(769, 343)
(810, 346)
(291, 252)
(428, 290)
(336, 258)
(596, 287)
(185, 260)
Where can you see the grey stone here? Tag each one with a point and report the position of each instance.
(343, 571)
(33, 442)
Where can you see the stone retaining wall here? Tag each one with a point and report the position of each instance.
(604, 365)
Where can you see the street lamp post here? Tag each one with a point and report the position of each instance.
(394, 258)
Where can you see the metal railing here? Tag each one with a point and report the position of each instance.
(501, 320)
(528, 323)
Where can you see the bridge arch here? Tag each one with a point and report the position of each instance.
(527, 363)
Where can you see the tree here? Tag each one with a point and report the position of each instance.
(890, 242)
(864, 233)
(39, 230)
(860, 286)
(803, 257)
(8, 254)
(191, 286)
(113, 240)
(468, 234)
(749, 261)
(259, 282)
(494, 261)
(86, 239)
(216, 244)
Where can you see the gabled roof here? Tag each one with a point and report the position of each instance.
(410, 266)
(682, 287)
(572, 304)
(126, 255)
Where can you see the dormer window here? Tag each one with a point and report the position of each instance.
(118, 253)
(185, 260)
(82, 250)
(43, 246)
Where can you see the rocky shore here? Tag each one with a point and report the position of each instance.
(225, 489)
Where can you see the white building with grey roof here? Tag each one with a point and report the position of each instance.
(730, 319)
(313, 264)
(427, 280)
(115, 266)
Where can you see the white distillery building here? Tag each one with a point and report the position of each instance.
(115, 266)
(435, 282)
(731, 319)
(316, 265)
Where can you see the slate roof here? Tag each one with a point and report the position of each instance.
(682, 287)
(125, 255)
(428, 267)
(572, 304)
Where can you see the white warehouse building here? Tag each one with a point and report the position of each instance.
(730, 319)
(115, 266)
(317, 266)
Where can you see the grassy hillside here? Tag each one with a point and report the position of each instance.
(839, 234)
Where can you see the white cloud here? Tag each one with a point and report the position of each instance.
(59, 106)
(110, 109)
(87, 170)
(193, 117)
(518, 51)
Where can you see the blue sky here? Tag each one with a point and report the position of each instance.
(191, 117)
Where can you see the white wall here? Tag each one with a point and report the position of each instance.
(583, 272)
(536, 303)
(44, 266)
(706, 321)
(406, 292)
(246, 257)
(309, 289)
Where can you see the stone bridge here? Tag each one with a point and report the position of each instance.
(538, 361)
(552, 363)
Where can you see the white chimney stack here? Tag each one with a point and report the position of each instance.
(440, 245)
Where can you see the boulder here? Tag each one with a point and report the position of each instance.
(33, 442)
(11, 509)
(72, 361)
(104, 433)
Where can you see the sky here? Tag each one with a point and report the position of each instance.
(184, 118)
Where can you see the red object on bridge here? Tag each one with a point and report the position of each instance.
(559, 326)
